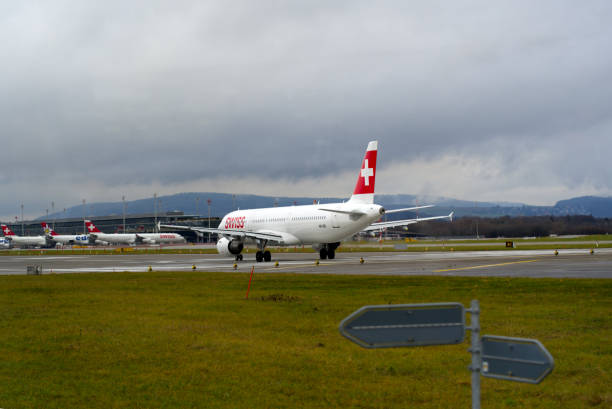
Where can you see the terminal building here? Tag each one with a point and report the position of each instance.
(134, 223)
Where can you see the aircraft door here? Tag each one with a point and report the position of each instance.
(335, 221)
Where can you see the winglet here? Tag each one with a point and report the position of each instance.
(450, 216)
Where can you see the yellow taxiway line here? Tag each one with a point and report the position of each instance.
(484, 266)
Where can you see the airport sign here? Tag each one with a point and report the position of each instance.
(405, 325)
(515, 359)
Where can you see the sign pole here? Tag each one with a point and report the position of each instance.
(476, 351)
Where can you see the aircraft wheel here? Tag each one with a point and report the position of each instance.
(267, 256)
(323, 253)
(259, 256)
(239, 257)
(331, 254)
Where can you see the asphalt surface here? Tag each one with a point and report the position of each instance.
(515, 263)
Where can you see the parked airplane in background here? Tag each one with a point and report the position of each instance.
(97, 236)
(23, 241)
(321, 225)
(5, 243)
(159, 238)
(65, 239)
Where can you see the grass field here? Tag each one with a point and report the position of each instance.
(190, 339)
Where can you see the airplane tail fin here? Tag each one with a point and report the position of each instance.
(364, 189)
(48, 230)
(7, 230)
(91, 227)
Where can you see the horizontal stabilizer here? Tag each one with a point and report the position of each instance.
(351, 212)
(407, 209)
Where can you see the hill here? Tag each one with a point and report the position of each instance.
(221, 203)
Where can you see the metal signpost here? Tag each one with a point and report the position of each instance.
(407, 325)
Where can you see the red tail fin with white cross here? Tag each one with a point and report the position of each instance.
(364, 189)
(7, 230)
(91, 227)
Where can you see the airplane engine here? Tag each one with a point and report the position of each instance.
(229, 247)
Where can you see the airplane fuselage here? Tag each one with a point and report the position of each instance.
(114, 238)
(71, 239)
(310, 224)
(160, 238)
(28, 241)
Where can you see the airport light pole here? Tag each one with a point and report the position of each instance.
(123, 199)
(198, 214)
(155, 210)
(84, 228)
(22, 227)
(53, 213)
(209, 202)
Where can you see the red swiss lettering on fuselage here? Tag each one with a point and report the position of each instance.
(235, 222)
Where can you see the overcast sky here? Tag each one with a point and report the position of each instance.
(475, 100)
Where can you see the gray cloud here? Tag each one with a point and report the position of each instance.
(100, 98)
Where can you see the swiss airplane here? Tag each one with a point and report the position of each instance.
(23, 241)
(96, 236)
(159, 238)
(132, 238)
(323, 226)
(64, 239)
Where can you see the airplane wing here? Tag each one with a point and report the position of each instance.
(228, 232)
(405, 222)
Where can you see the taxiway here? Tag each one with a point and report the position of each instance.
(518, 263)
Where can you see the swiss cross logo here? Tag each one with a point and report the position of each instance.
(366, 173)
(6, 230)
(91, 227)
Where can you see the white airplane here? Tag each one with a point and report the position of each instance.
(159, 238)
(65, 239)
(5, 243)
(96, 236)
(23, 241)
(323, 226)
(132, 238)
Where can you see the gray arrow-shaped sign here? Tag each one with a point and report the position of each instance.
(515, 359)
(405, 325)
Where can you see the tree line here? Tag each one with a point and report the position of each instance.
(506, 226)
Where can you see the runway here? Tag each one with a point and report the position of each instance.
(517, 263)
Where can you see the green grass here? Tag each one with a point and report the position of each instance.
(146, 340)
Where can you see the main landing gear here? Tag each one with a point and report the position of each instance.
(262, 255)
(328, 251)
(239, 257)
